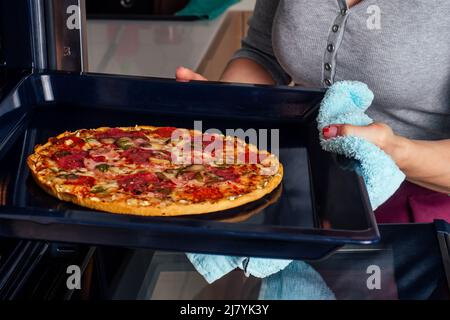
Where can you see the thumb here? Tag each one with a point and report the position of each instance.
(340, 130)
(185, 74)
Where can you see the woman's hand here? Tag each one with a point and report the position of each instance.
(426, 163)
(185, 75)
(240, 70)
(378, 133)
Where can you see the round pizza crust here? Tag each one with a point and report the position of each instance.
(178, 209)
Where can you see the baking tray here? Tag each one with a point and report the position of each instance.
(319, 206)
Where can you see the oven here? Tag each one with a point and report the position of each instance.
(55, 250)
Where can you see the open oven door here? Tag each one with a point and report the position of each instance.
(320, 207)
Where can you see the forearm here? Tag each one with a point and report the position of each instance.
(245, 70)
(426, 163)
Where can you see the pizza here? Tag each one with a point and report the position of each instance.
(153, 171)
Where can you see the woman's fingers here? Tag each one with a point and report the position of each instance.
(339, 130)
(377, 133)
(185, 74)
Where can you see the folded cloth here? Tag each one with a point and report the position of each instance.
(214, 267)
(345, 103)
(208, 9)
(299, 281)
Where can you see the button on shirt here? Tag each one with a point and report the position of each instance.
(400, 49)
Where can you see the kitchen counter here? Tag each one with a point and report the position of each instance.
(153, 48)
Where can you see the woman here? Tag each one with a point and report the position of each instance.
(400, 49)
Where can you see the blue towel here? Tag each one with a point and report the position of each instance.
(345, 103)
(214, 267)
(299, 281)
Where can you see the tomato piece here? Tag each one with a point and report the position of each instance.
(99, 159)
(199, 194)
(165, 132)
(81, 181)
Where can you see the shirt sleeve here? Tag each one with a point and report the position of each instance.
(257, 45)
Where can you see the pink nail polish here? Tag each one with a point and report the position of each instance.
(330, 132)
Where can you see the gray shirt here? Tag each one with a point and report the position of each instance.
(399, 48)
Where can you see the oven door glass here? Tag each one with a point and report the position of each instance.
(403, 266)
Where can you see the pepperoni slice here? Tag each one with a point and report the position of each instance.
(165, 132)
(81, 180)
(141, 156)
(137, 156)
(137, 183)
(68, 160)
(226, 173)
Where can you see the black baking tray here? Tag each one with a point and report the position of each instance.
(320, 205)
